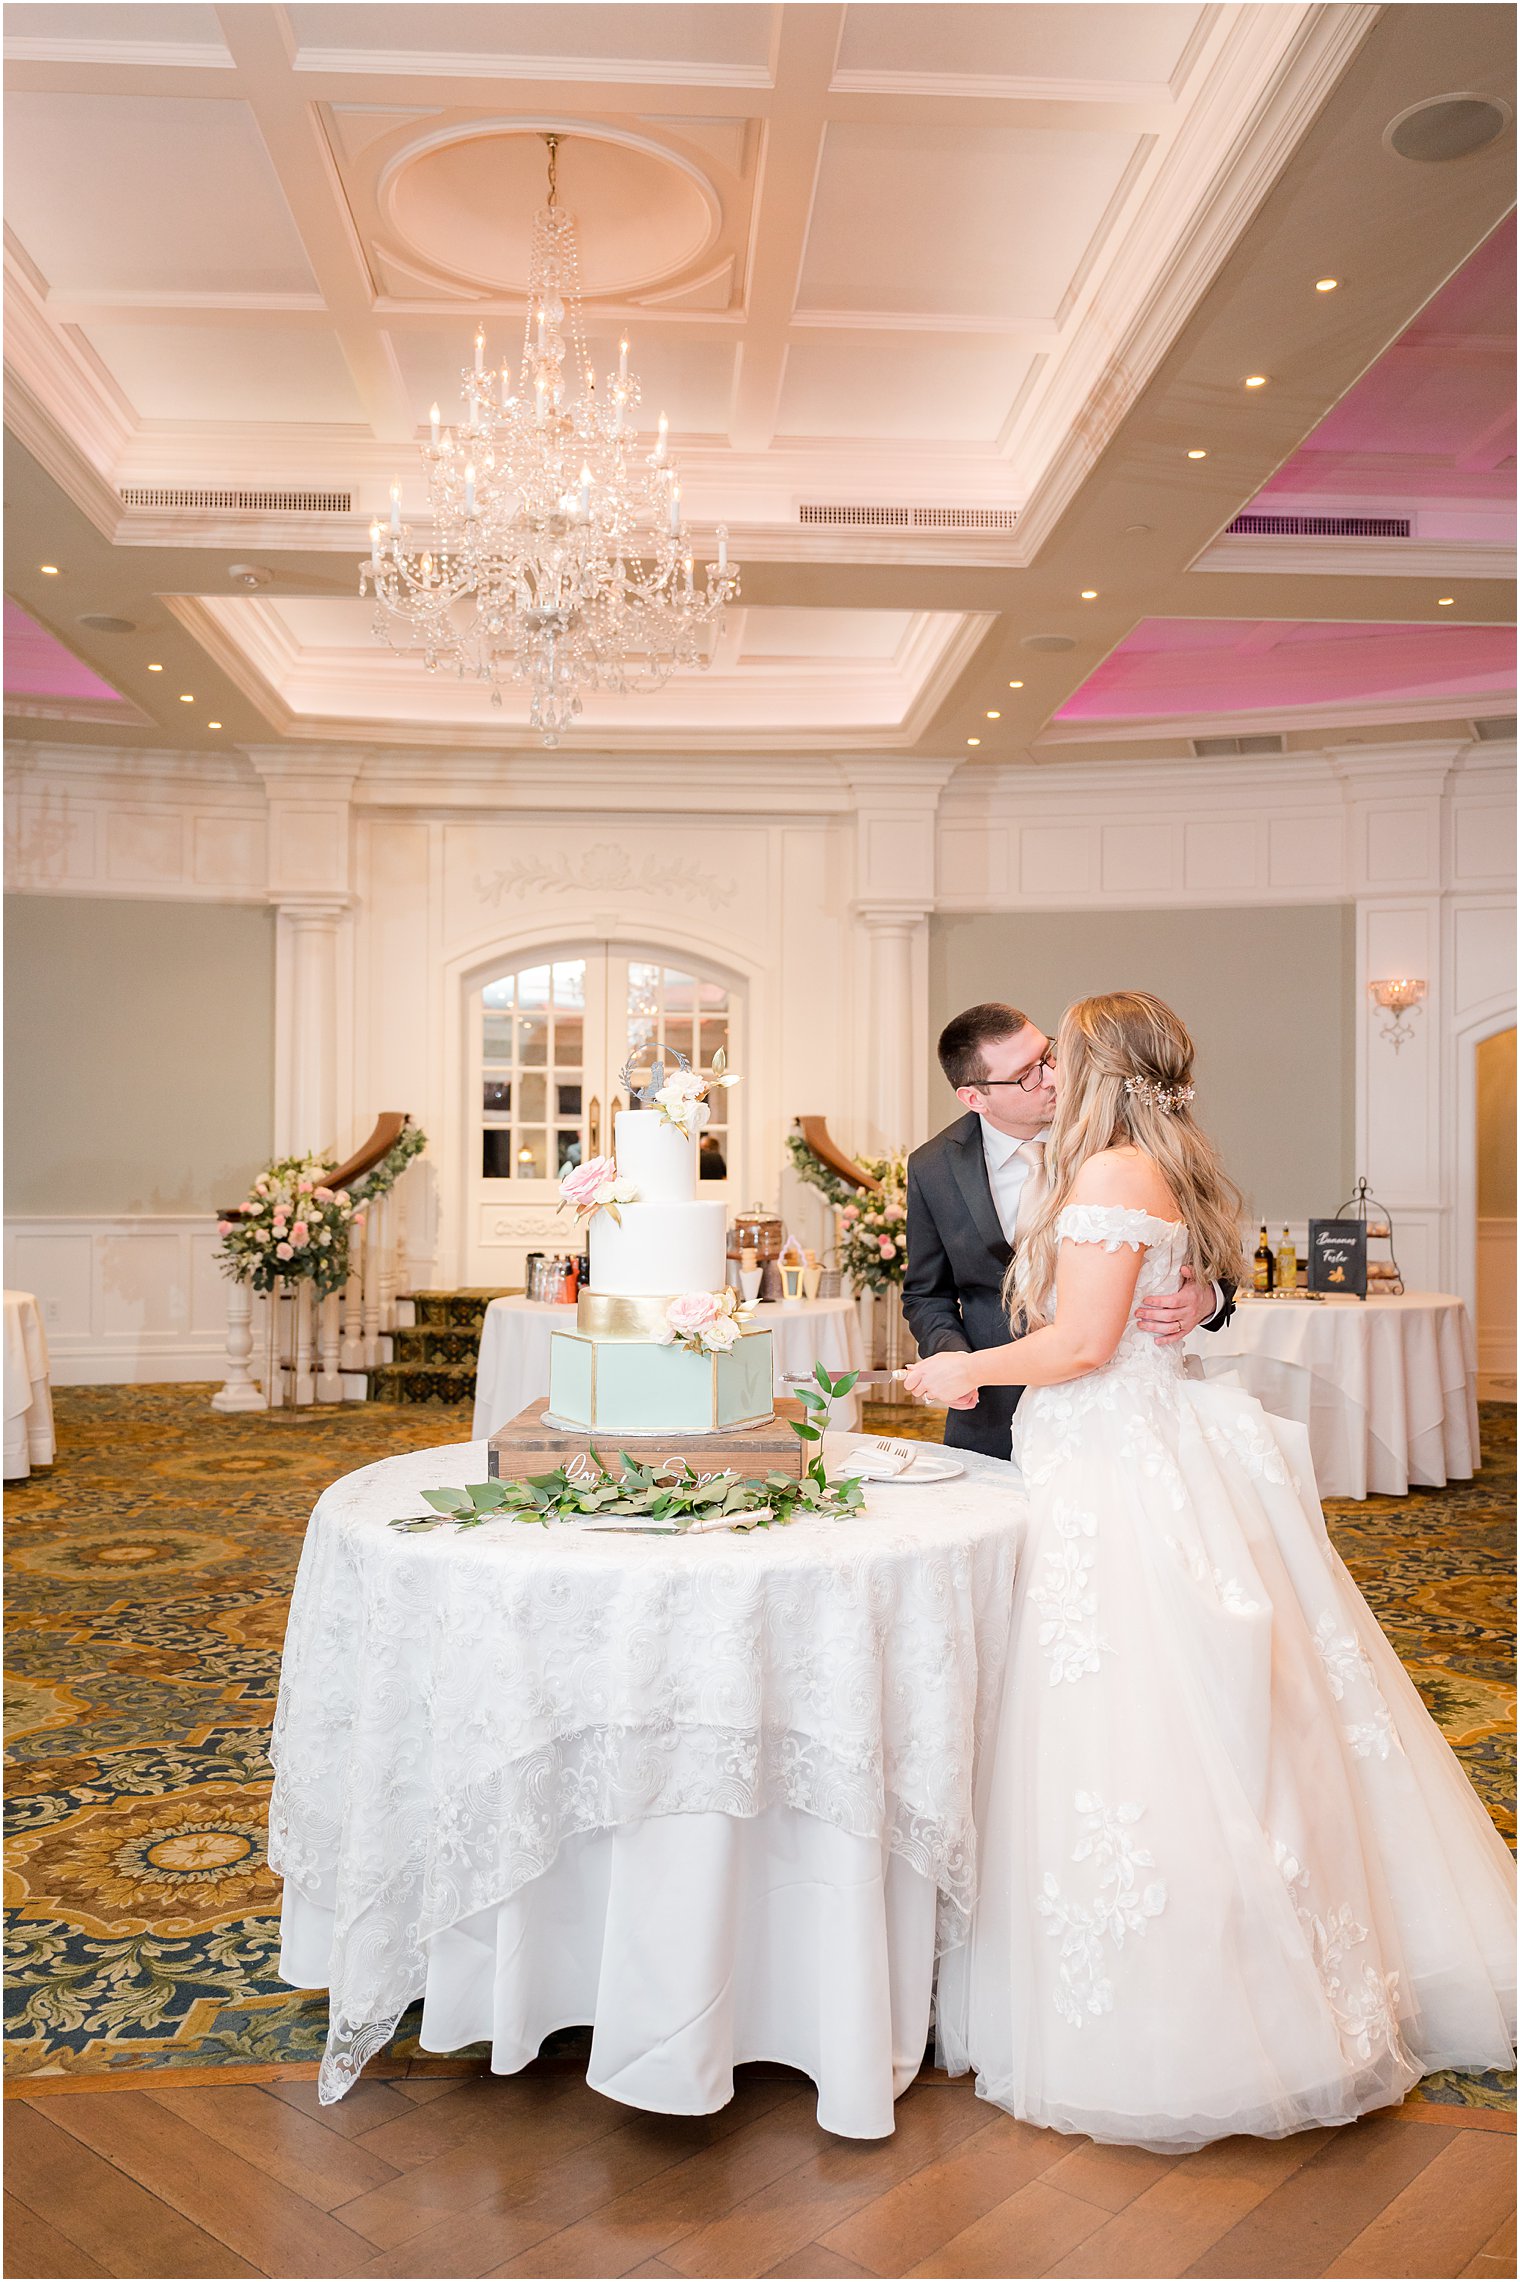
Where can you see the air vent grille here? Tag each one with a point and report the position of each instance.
(1495, 729)
(1232, 748)
(880, 518)
(1320, 527)
(242, 502)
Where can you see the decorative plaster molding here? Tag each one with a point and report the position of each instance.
(605, 868)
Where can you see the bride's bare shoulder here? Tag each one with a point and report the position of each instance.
(1123, 1176)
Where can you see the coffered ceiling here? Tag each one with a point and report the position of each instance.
(933, 258)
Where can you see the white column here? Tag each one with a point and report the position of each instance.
(310, 884)
(308, 1038)
(896, 807)
(890, 1040)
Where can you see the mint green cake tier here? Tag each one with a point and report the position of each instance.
(628, 1386)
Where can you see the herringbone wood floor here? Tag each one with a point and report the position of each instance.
(535, 2174)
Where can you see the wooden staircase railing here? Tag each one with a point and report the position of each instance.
(323, 1352)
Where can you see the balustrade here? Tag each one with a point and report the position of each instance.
(319, 1350)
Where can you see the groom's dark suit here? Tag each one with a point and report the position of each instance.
(957, 1258)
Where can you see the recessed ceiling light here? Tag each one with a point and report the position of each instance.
(213, 724)
(1015, 685)
(1326, 284)
(973, 740)
(1256, 380)
(994, 716)
(155, 669)
(185, 697)
(1445, 601)
(1197, 455)
(1089, 594)
(49, 570)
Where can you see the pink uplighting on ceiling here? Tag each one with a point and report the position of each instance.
(1187, 668)
(1435, 416)
(38, 665)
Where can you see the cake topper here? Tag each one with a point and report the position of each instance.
(678, 1094)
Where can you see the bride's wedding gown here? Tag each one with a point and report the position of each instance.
(1231, 1876)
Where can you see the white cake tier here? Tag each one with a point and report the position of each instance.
(659, 1248)
(657, 1157)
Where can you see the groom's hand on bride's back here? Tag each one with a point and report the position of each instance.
(1170, 1316)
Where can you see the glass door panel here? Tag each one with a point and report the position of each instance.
(547, 1040)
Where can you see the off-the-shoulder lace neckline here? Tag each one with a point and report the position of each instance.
(1128, 1213)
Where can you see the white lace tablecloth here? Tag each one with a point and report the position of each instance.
(513, 1369)
(1386, 1387)
(28, 1393)
(465, 1715)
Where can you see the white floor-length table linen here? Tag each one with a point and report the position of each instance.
(1387, 1387)
(513, 1369)
(28, 1392)
(710, 1794)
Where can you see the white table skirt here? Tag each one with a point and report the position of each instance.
(1387, 1387)
(513, 1369)
(694, 1943)
(28, 1394)
(712, 1795)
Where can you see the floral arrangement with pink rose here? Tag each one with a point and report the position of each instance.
(293, 1223)
(705, 1323)
(595, 1187)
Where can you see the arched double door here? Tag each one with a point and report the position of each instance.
(548, 1036)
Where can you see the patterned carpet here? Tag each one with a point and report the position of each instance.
(149, 1573)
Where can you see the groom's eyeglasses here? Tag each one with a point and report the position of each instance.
(1028, 1081)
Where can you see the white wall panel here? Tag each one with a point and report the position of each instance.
(124, 1300)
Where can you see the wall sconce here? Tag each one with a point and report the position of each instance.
(1399, 996)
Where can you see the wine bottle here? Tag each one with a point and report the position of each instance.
(1263, 1263)
(1287, 1264)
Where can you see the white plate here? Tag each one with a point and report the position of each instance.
(929, 1465)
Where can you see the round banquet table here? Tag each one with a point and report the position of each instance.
(514, 1352)
(28, 1393)
(1387, 1387)
(710, 1794)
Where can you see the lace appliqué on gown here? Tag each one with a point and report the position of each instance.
(1364, 2000)
(1063, 1593)
(1119, 1906)
(1348, 1666)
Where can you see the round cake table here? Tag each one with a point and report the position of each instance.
(711, 1794)
(513, 1369)
(1387, 1387)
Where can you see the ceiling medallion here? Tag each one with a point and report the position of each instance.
(558, 556)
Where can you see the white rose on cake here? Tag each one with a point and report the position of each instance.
(683, 1100)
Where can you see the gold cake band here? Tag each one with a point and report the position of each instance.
(622, 1315)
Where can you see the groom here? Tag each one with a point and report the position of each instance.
(971, 1192)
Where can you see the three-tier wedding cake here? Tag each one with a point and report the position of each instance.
(657, 1348)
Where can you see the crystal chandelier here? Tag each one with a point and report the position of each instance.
(558, 556)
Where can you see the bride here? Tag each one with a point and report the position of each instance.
(1232, 1878)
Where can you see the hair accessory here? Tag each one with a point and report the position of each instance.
(1168, 1099)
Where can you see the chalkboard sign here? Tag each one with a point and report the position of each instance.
(1338, 1256)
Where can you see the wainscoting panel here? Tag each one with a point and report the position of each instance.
(127, 1299)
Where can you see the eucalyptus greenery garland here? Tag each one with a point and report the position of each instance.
(664, 1499)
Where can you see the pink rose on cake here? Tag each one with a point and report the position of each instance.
(595, 1187)
(690, 1316)
(705, 1323)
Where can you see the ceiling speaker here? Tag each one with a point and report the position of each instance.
(1447, 126)
(100, 623)
(1048, 642)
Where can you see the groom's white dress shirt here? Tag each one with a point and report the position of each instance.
(1007, 1172)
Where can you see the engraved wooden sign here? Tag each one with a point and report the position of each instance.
(527, 1445)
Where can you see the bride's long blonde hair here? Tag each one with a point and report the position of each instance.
(1126, 1062)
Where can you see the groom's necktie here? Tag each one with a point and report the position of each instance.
(1032, 1194)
